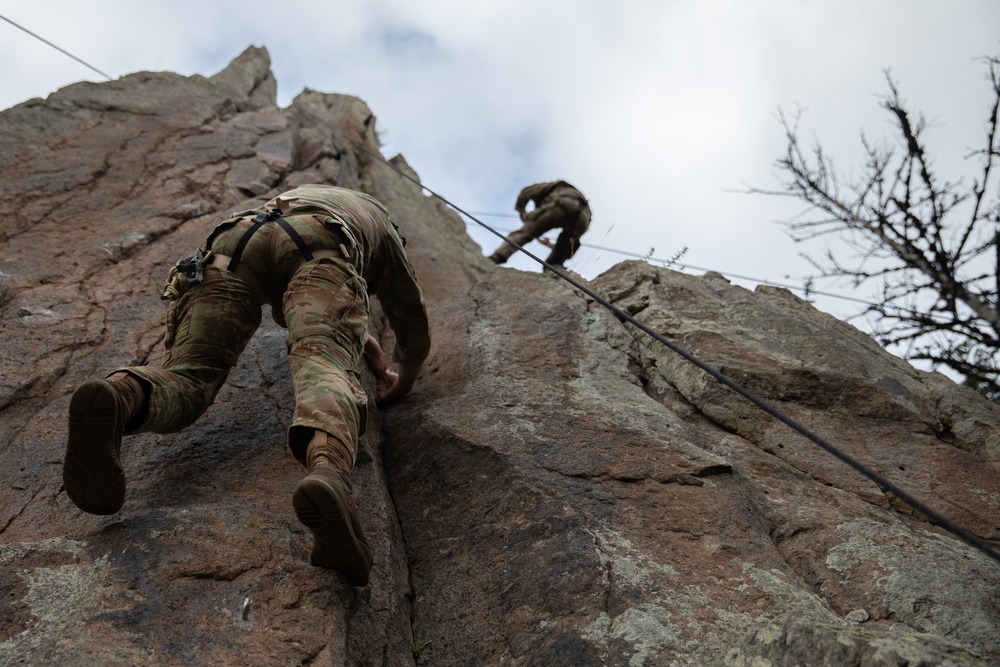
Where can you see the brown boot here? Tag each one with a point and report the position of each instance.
(324, 503)
(98, 414)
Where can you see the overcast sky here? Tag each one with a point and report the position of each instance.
(660, 111)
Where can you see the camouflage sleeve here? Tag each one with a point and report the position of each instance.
(403, 303)
(531, 192)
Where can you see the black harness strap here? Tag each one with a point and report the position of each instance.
(258, 222)
(294, 235)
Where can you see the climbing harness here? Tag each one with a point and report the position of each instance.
(258, 222)
(190, 271)
(883, 483)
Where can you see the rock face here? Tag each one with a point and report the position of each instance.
(558, 490)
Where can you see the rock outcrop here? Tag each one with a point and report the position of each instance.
(558, 490)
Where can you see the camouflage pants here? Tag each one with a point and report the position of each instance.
(564, 213)
(325, 307)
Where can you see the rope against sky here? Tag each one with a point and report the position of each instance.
(57, 48)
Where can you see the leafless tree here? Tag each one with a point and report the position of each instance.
(930, 244)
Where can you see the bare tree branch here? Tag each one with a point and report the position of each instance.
(933, 244)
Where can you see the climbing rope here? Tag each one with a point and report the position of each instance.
(56, 47)
(622, 316)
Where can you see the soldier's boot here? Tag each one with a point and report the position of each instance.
(497, 258)
(324, 503)
(99, 412)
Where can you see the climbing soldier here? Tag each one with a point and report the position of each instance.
(313, 254)
(557, 205)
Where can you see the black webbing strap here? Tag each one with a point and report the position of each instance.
(258, 222)
(294, 235)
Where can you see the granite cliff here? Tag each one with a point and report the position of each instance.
(558, 490)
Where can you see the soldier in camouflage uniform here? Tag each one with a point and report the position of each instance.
(313, 254)
(557, 205)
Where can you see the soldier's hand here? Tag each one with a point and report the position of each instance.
(393, 389)
(388, 388)
(397, 384)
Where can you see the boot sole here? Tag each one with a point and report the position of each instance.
(92, 471)
(335, 543)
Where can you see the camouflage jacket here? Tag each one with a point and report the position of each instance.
(540, 193)
(376, 251)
